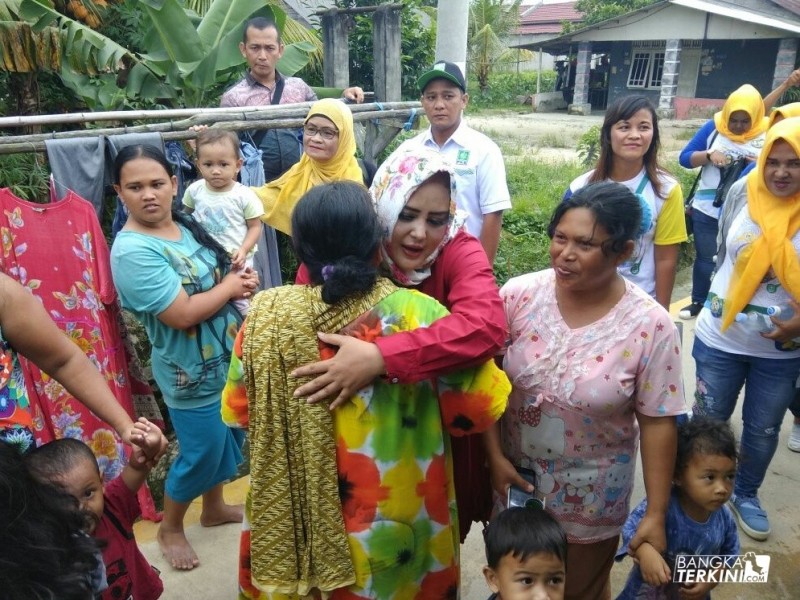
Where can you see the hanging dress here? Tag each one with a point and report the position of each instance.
(59, 253)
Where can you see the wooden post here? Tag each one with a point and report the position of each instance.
(387, 58)
(335, 33)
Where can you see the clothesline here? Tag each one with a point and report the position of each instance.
(166, 113)
(268, 117)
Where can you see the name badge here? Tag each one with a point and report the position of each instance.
(462, 157)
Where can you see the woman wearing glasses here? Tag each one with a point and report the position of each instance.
(329, 154)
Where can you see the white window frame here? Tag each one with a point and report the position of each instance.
(651, 76)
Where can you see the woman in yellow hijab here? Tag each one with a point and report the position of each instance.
(746, 335)
(329, 154)
(787, 111)
(736, 131)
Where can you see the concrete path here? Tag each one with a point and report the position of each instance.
(218, 547)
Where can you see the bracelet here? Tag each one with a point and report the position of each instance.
(708, 156)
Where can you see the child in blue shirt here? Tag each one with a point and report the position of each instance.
(697, 523)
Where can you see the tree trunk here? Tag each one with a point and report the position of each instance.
(24, 88)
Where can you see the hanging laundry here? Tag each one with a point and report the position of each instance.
(59, 253)
(78, 164)
(265, 261)
(182, 167)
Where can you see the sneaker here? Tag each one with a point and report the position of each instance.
(691, 311)
(794, 438)
(752, 518)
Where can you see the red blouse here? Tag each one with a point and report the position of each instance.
(462, 280)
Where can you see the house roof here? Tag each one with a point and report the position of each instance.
(761, 12)
(792, 6)
(547, 18)
(775, 14)
(303, 11)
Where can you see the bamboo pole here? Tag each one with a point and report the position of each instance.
(358, 9)
(294, 115)
(135, 115)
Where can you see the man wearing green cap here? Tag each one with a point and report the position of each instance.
(478, 163)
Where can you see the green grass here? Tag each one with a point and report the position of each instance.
(685, 135)
(536, 188)
(555, 140)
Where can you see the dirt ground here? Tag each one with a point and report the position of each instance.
(554, 136)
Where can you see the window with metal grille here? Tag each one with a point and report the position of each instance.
(656, 69)
(646, 69)
(639, 66)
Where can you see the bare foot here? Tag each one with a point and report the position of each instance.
(176, 549)
(225, 513)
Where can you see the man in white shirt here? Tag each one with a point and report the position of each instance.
(480, 172)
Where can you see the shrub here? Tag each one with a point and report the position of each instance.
(26, 175)
(505, 88)
(589, 146)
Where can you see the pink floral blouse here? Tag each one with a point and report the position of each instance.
(571, 414)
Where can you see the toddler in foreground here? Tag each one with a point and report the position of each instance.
(227, 210)
(526, 555)
(69, 464)
(697, 523)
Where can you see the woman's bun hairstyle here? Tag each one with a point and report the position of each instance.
(335, 233)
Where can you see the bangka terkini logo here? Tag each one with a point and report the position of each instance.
(744, 568)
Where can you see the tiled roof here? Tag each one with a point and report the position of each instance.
(562, 11)
(547, 18)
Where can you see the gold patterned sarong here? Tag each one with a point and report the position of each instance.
(298, 539)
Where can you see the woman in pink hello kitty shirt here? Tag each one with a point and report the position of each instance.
(595, 364)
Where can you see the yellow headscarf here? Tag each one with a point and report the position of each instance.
(787, 111)
(279, 197)
(748, 99)
(779, 220)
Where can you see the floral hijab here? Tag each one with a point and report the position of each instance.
(396, 180)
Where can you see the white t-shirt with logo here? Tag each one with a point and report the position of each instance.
(710, 175)
(738, 338)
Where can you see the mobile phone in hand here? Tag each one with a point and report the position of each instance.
(519, 497)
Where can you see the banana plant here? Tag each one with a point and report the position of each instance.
(186, 54)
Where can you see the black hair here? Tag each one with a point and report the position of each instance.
(621, 109)
(44, 554)
(704, 435)
(614, 207)
(336, 234)
(215, 135)
(523, 532)
(129, 153)
(55, 459)
(260, 23)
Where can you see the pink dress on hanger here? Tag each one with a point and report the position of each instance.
(59, 253)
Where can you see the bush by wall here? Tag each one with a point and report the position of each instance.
(505, 88)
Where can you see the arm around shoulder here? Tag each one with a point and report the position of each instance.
(473, 332)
